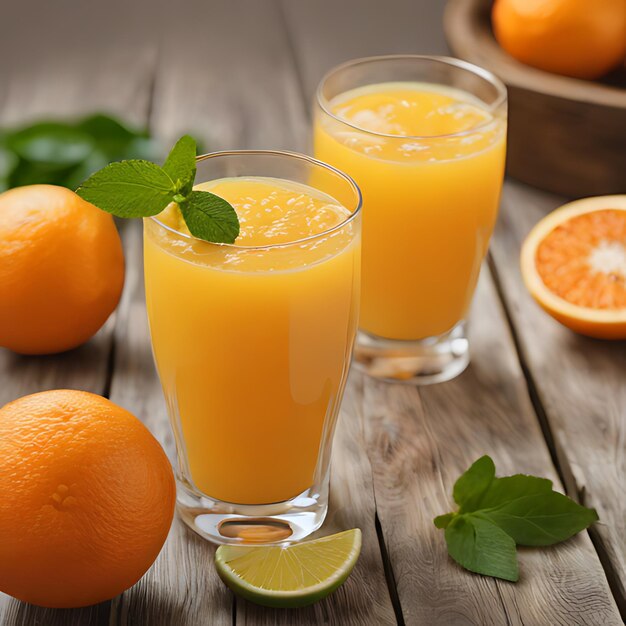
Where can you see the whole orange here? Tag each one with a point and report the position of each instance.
(61, 269)
(87, 499)
(579, 38)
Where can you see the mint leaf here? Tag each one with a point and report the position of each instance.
(129, 189)
(508, 488)
(523, 508)
(481, 547)
(141, 188)
(210, 217)
(501, 490)
(541, 519)
(442, 521)
(180, 164)
(474, 482)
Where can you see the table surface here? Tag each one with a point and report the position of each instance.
(536, 397)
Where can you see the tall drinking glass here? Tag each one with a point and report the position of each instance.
(424, 138)
(253, 342)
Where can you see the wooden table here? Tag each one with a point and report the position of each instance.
(536, 397)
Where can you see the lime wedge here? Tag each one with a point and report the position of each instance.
(289, 576)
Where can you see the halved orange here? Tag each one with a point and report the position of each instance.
(574, 265)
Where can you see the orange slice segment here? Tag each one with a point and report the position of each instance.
(574, 264)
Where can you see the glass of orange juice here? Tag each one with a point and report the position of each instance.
(425, 140)
(253, 341)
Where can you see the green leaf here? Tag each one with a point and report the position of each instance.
(25, 173)
(65, 153)
(51, 144)
(180, 164)
(110, 137)
(139, 188)
(524, 509)
(106, 128)
(508, 488)
(140, 148)
(210, 217)
(541, 519)
(442, 521)
(469, 488)
(129, 189)
(481, 547)
(8, 163)
(95, 161)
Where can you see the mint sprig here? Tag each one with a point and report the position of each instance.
(138, 188)
(129, 189)
(180, 164)
(496, 514)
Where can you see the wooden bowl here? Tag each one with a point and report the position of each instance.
(566, 135)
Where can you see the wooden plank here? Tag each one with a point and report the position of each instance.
(80, 57)
(580, 384)
(20, 614)
(49, 67)
(325, 33)
(420, 441)
(238, 88)
(82, 368)
(242, 100)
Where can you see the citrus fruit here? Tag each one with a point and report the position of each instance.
(576, 38)
(289, 576)
(61, 269)
(87, 499)
(574, 265)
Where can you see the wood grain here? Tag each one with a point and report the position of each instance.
(20, 614)
(233, 85)
(325, 33)
(72, 57)
(580, 384)
(565, 135)
(421, 441)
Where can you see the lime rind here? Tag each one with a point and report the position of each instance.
(293, 598)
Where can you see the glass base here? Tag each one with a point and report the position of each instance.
(236, 524)
(422, 362)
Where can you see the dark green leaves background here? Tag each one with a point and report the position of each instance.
(66, 153)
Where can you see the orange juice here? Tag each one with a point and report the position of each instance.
(252, 342)
(429, 161)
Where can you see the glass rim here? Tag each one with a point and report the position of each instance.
(490, 77)
(280, 153)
